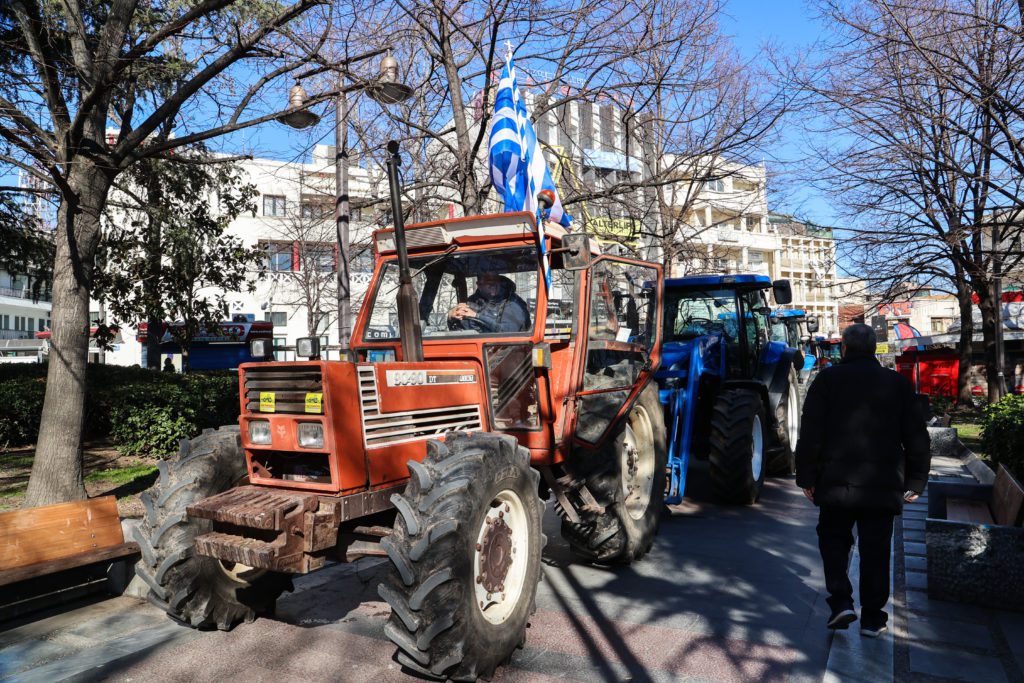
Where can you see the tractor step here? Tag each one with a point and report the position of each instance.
(239, 549)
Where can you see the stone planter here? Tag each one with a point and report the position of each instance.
(981, 564)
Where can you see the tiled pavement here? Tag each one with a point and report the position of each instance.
(946, 641)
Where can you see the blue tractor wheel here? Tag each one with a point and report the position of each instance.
(738, 445)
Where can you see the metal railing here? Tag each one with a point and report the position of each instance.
(25, 293)
(16, 334)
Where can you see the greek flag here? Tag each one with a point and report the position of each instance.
(518, 168)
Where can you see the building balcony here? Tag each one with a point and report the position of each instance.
(23, 294)
(17, 334)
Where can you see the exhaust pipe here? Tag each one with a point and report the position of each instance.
(409, 331)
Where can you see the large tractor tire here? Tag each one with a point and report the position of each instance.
(466, 552)
(628, 480)
(782, 461)
(738, 442)
(202, 592)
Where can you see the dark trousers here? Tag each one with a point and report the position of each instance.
(835, 539)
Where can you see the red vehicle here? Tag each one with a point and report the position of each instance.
(433, 446)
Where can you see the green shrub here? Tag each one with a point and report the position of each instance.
(22, 401)
(1002, 434)
(141, 411)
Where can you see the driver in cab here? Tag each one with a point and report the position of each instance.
(493, 307)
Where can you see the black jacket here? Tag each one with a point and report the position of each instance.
(863, 439)
(506, 312)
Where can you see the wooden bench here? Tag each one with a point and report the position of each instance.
(1004, 507)
(42, 545)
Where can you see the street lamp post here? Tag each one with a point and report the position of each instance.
(386, 89)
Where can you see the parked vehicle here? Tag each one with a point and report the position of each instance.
(730, 392)
(433, 446)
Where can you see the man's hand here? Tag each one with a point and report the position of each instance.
(460, 311)
(910, 496)
(809, 493)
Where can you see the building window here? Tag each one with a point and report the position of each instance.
(318, 210)
(755, 258)
(355, 213)
(321, 256)
(716, 185)
(941, 325)
(42, 325)
(279, 318)
(279, 352)
(279, 256)
(5, 322)
(274, 205)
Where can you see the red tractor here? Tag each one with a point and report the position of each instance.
(475, 390)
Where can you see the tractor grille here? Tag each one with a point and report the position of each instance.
(288, 383)
(383, 429)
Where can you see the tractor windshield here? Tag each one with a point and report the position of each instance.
(691, 313)
(461, 293)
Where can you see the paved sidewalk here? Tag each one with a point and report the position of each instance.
(728, 595)
(946, 641)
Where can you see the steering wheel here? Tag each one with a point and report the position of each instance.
(468, 324)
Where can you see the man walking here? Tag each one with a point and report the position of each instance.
(863, 450)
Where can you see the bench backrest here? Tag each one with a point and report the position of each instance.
(1007, 498)
(52, 532)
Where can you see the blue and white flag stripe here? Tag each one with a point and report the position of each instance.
(518, 168)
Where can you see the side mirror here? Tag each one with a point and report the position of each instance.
(575, 251)
(812, 325)
(782, 292)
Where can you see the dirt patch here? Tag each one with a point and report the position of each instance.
(107, 472)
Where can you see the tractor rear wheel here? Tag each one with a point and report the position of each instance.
(629, 483)
(465, 556)
(201, 592)
(787, 430)
(737, 446)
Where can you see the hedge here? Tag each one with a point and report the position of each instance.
(140, 411)
(1002, 433)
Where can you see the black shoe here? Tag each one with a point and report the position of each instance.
(872, 628)
(841, 619)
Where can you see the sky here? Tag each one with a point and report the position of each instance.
(791, 25)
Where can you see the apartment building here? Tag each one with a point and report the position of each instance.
(22, 315)
(807, 258)
(294, 226)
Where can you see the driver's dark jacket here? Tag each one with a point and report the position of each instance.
(863, 440)
(505, 312)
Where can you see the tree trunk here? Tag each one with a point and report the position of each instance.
(990, 316)
(963, 390)
(57, 469)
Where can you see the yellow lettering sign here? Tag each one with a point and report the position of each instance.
(266, 401)
(882, 347)
(314, 402)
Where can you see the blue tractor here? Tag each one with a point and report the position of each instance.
(786, 328)
(729, 391)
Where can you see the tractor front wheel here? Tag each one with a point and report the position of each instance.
(737, 450)
(202, 592)
(783, 462)
(628, 480)
(465, 551)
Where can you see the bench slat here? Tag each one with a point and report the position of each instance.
(965, 510)
(1007, 498)
(82, 559)
(52, 532)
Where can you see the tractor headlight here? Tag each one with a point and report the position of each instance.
(311, 435)
(259, 432)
